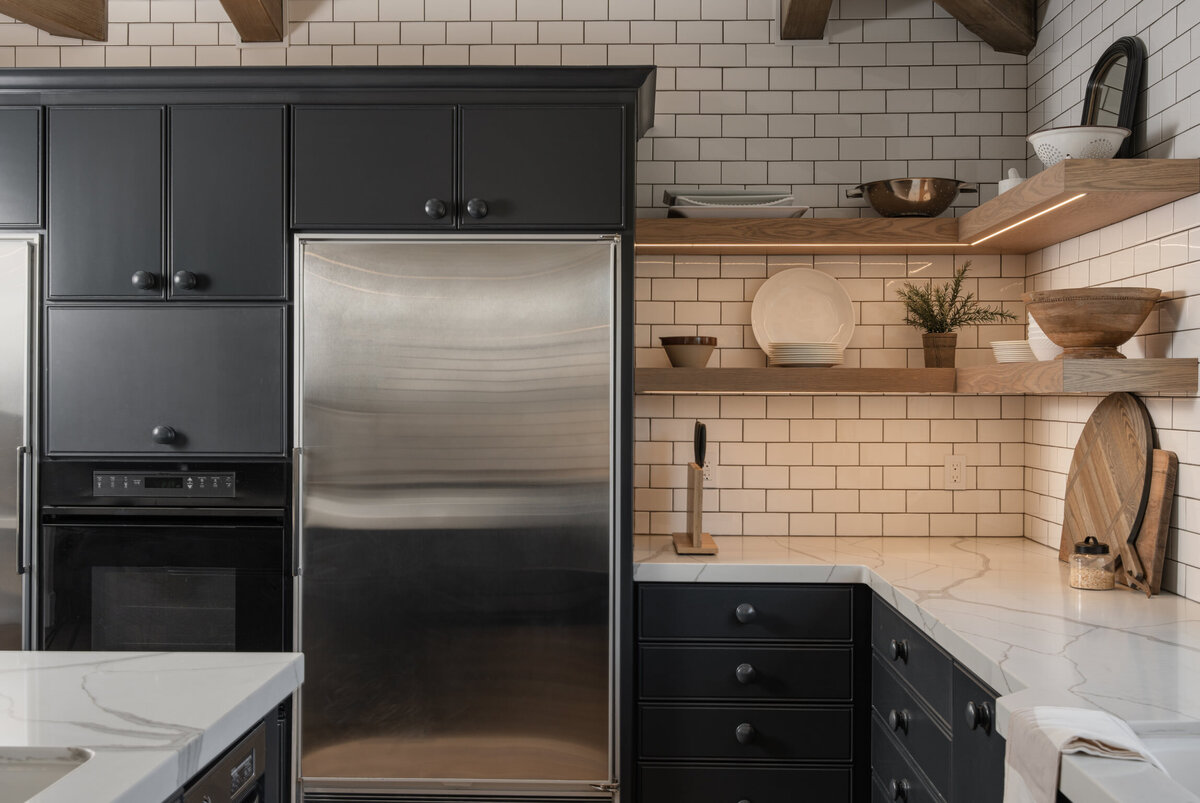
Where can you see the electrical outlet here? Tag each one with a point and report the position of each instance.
(956, 472)
(707, 470)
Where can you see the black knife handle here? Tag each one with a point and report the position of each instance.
(700, 442)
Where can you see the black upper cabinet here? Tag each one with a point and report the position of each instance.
(105, 214)
(228, 236)
(373, 167)
(20, 166)
(106, 218)
(542, 166)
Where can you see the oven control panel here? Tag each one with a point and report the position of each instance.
(179, 484)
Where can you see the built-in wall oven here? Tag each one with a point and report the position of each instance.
(154, 556)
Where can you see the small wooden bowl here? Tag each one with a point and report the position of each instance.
(686, 351)
(1090, 322)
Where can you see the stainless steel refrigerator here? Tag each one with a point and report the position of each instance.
(18, 260)
(455, 420)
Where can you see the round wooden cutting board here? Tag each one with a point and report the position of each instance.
(1109, 480)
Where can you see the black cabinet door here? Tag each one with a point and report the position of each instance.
(166, 379)
(977, 773)
(370, 168)
(20, 166)
(105, 214)
(542, 166)
(228, 235)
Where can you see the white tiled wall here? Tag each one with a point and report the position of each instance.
(829, 464)
(1158, 249)
(899, 89)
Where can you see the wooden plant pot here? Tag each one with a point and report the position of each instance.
(939, 349)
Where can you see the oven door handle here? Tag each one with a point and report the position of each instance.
(22, 512)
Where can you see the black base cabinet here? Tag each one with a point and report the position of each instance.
(752, 692)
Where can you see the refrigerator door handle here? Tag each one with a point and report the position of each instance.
(297, 512)
(22, 494)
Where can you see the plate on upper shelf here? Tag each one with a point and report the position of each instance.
(737, 210)
(802, 305)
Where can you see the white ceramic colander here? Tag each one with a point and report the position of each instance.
(1077, 142)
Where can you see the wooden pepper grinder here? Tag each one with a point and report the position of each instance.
(695, 541)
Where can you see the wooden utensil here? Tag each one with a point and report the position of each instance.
(1109, 479)
(1152, 538)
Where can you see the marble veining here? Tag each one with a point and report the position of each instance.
(1001, 606)
(151, 720)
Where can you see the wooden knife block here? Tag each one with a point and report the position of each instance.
(694, 541)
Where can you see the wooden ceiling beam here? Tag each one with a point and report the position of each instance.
(256, 20)
(1009, 26)
(803, 19)
(77, 19)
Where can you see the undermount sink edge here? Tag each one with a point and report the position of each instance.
(26, 772)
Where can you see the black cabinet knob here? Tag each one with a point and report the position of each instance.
(743, 800)
(979, 715)
(144, 280)
(898, 720)
(899, 789)
(745, 613)
(163, 434)
(184, 280)
(477, 208)
(435, 208)
(745, 733)
(746, 674)
(899, 650)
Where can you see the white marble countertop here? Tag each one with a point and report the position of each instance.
(151, 720)
(1003, 608)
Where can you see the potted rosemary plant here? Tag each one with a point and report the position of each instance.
(940, 310)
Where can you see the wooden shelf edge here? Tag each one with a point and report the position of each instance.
(796, 235)
(1177, 376)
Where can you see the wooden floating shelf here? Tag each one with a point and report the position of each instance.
(1088, 193)
(1175, 376)
(794, 380)
(1082, 376)
(884, 235)
(1072, 198)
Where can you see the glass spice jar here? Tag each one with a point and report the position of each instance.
(1092, 566)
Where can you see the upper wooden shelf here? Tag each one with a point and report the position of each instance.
(1175, 376)
(890, 235)
(1072, 198)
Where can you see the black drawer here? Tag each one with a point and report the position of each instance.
(917, 659)
(753, 673)
(889, 767)
(673, 611)
(918, 732)
(978, 749)
(809, 734)
(709, 784)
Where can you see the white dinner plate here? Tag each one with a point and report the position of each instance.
(737, 210)
(802, 305)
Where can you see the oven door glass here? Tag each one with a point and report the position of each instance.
(165, 587)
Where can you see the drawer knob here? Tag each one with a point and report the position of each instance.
(184, 280)
(745, 613)
(435, 208)
(899, 789)
(163, 434)
(898, 720)
(745, 733)
(144, 280)
(979, 715)
(746, 674)
(899, 650)
(477, 208)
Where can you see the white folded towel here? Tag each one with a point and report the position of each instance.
(1039, 736)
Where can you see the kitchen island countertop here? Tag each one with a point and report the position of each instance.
(151, 720)
(1003, 608)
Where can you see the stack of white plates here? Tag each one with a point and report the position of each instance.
(1013, 351)
(816, 355)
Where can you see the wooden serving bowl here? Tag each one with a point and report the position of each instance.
(1090, 322)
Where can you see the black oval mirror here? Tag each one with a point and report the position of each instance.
(1114, 88)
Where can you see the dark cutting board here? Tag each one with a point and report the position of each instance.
(1109, 480)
